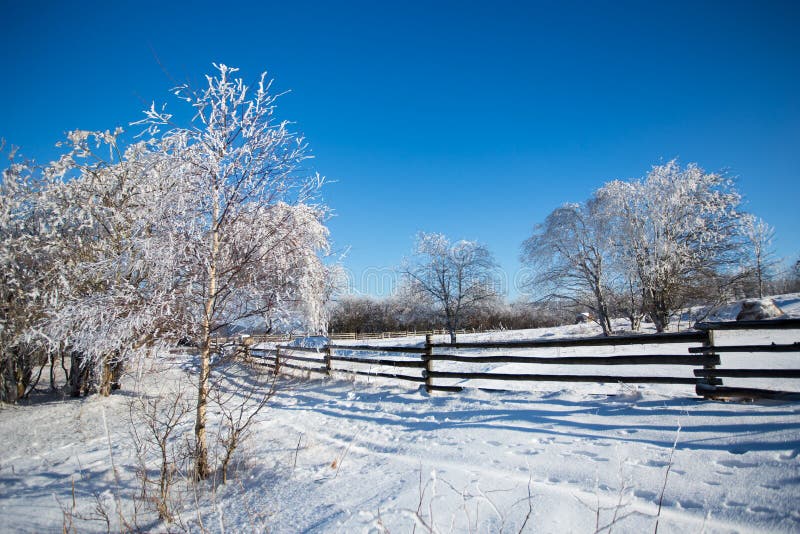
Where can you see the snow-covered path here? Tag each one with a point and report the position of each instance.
(369, 455)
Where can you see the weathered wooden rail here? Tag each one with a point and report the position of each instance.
(343, 336)
(419, 363)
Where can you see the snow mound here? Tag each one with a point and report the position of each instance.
(758, 309)
(788, 304)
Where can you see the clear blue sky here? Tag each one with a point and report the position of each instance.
(471, 119)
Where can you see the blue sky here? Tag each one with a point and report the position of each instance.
(471, 119)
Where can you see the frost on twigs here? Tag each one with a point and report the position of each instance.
(248, 240)
(112, 252)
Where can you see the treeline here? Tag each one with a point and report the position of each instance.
(364, 314)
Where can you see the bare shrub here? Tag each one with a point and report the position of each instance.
(240, 392)
(157, 424)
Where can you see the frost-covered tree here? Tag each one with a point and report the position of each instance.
(458, 277)
(82, 256)
(249, 239)
(675, 229)
(758, 238)
(27, 233)
(569, 255)
(118, 280)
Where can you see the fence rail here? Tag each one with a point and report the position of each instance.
(702, 354)
(343, 336)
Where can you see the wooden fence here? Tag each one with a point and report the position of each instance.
(343, 336)
(423, 363)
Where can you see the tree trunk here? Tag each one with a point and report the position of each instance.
(602, 311)
(202, 469)
(110, 373)
(636, 321)
(8, 389)
(78, 374)
(104, 386)
(19, 375)
(660, 317)
(201, 453)
(52, 372)
(451, 328)
(116, 373)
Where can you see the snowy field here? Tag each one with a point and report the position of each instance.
(342, 455)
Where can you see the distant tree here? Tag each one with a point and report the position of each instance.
(676, 229)
(570, 257)
(762, 261)
(458, 277)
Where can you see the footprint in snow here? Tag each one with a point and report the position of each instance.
(734, 504)
(734, 464)
(655, 463)
(644, 494)
(591, 455)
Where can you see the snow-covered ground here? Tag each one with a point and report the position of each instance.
(343, 455)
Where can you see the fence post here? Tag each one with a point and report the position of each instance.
(277, 359)
(246, 343)
(710, 380)
(328, 360)
(428, 362)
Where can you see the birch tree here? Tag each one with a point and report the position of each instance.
(248, 243)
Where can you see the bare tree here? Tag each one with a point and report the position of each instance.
(570, 257)
(459, 277)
